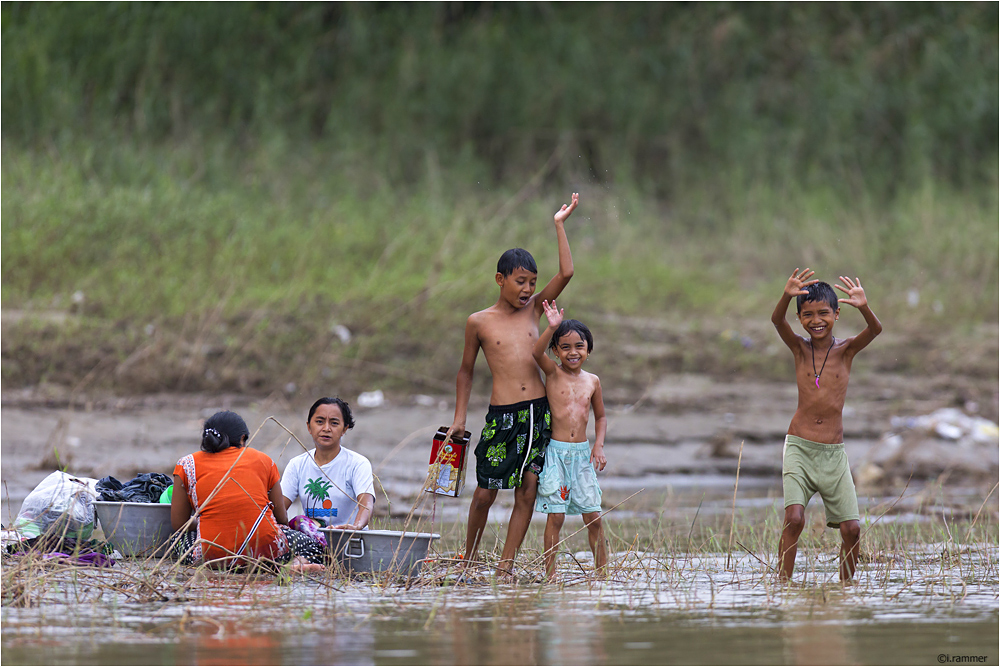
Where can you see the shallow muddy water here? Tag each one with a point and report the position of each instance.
(654, 610)
(909, 606)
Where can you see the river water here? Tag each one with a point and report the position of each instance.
(678, 609)
(680, 605)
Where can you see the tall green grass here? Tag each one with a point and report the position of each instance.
(658, 94)
(143, 235)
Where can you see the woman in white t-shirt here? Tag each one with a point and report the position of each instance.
(335, 484)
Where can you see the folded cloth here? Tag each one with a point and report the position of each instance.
(65, 550)
(310, 527)
(94, 558)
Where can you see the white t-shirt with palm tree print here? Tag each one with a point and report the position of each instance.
(329, 493)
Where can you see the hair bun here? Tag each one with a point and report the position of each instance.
(214, 441)
(222, 430)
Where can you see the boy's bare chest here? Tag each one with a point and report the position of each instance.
(823, 382)
(500, 337)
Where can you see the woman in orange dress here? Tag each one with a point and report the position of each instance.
(236, 492)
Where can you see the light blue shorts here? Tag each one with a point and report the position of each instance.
(568, 483)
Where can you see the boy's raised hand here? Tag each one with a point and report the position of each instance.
(566, 210)
(799, 281)
(552, 313)
(855, 293)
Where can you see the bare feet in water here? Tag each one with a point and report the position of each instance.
(300, 564)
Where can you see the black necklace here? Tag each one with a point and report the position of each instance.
(823, 367)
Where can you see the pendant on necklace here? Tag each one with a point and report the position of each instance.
(812, 353)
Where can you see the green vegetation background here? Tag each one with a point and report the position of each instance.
(209, 190)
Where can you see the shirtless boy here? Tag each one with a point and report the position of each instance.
(568, 483)
(814, 458)
(511, 451)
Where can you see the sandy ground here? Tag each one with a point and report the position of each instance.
(681, 437)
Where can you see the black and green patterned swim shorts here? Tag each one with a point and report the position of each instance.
(513, 441)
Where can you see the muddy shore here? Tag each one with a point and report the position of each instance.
(680, 438)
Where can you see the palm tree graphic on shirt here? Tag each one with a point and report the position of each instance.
(319, 491)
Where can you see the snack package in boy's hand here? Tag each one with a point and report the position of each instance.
(446, 474)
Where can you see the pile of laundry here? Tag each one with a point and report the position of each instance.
(57, 518)
(147, 487)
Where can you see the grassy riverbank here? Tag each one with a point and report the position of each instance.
(238, 198)
(181, 268)
(158, 233)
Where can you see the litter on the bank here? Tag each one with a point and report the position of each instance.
(371, 399)
(952, 424)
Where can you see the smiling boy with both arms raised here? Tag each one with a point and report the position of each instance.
(814, 459)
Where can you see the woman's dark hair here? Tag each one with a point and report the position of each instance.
(223, 430)
(568, 326)
(820, 293)
(345, 410)
(516, 258)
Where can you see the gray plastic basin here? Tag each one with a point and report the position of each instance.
(379, 550)
(135, 529)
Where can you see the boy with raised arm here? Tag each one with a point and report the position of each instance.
(814, 459)
(568, 484)
(511, 450)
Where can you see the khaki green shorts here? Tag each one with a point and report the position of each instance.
(809, 467)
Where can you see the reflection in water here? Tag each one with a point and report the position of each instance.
(468, 636)
(692, 612)
(817, 640)
(230, 649)
(339, 642)
(572, 638)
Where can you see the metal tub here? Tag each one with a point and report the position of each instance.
(135, 529)
(379, 550)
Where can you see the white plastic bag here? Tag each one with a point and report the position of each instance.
(61, 505)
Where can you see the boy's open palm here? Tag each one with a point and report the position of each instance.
(799, 281)
(566, 210)
(552, 313)
(855, 293)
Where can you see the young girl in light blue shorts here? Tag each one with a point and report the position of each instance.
(568, 483)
